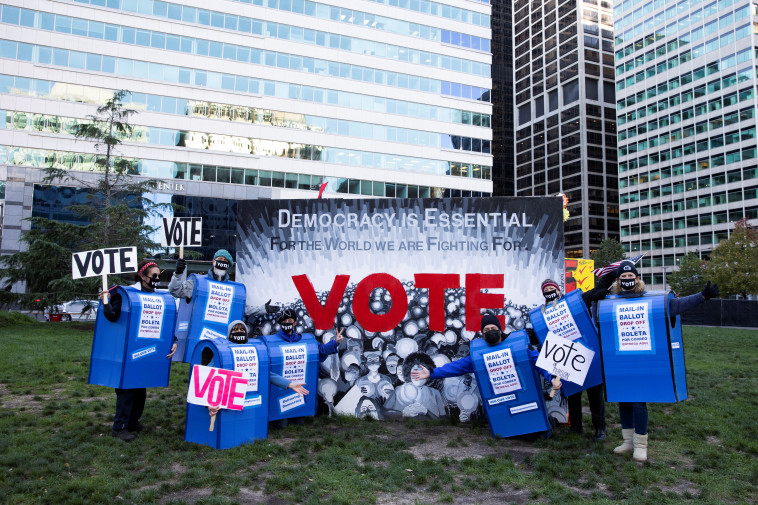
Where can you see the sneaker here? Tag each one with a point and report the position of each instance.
(123, 435)
(137, 427)
(599, 435)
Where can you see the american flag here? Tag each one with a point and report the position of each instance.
(599, 272)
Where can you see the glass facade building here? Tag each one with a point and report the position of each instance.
(252, 99)
(685, 80)
(565, 114)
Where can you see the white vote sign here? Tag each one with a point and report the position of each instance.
(569, 360)
(182, 231)
(111, 261)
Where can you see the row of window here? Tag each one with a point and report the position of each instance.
(162, 136)
(42, 158)
(722, 198)
(286, 61)
(244, 24)
(719, 83)
(169, 73)
(234, 144)
(684, 115)
(693, 54)
(682, 40)
(705, 181)
(159, 40)
(718, 160)
(687, 77)
(661, 17)
(692, 239)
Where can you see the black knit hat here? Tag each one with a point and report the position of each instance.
(491, 319)
(287, 314)
(626, 266)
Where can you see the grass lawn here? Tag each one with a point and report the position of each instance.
(55, 444)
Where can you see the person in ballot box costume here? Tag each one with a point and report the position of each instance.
(181, 287)
(634, 416)
(552, 293)
(287, 320)
(493, 335)
(130, 403)
(238, 334)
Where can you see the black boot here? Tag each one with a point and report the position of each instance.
(599, 435)
(123, 435)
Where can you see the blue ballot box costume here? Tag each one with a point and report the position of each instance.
(578, 304)
(232, 427)
(315, 353)
(193, 318)
(515, 412)
(129, 351)
(643, 354)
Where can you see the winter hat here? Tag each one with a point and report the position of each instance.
(626, 266)
(549, 282)
(287, 314)
(229, 331)
(224, 254)
(490, 319)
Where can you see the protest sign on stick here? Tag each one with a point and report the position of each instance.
(182, 232)
(216, 387)
(566, 359)
(104, 262)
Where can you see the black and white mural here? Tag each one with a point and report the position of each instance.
(407, 280)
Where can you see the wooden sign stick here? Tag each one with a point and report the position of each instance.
(552, 391)
(213, 422)
(181, 251)
(105, 289)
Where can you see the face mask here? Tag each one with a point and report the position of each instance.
(151, 282)
(550, 295)
(221, 265)
(238, 337)
(287, 327)
(627, 284)
(492, 337)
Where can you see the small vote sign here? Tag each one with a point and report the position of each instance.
(182, 232)
(564, 358)
(111, 261)
(217, 387)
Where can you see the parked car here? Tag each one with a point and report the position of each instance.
(79, 310)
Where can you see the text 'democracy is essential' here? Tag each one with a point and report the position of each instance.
(219, 304)
(633, 323)
(501, 370)
(151, 316)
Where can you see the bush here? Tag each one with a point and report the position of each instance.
(9, 318)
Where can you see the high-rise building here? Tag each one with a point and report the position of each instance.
(685, 80)
(503, 174)
(243, 99)
(564, 111)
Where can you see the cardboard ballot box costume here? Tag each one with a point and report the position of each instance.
(570, 319)
(131, 352)
(297, 362)
(643, 353)
(232, 427)
(213, 305)
(510, 389)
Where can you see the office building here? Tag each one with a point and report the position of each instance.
(564, 111)
(685, 81)
(243, 99)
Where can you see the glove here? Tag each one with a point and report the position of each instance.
(270, 309)
(710, 291)
(606, 281)
(181, 264)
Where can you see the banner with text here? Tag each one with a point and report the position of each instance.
(403, 277)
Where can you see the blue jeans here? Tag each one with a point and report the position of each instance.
(634, 415)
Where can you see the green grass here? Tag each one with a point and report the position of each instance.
(55, 445)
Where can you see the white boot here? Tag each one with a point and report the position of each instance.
(640, 448)
(626, 447)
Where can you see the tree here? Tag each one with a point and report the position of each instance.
(690, 278)
(610, 250)
(114, 215)
(734, 262)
